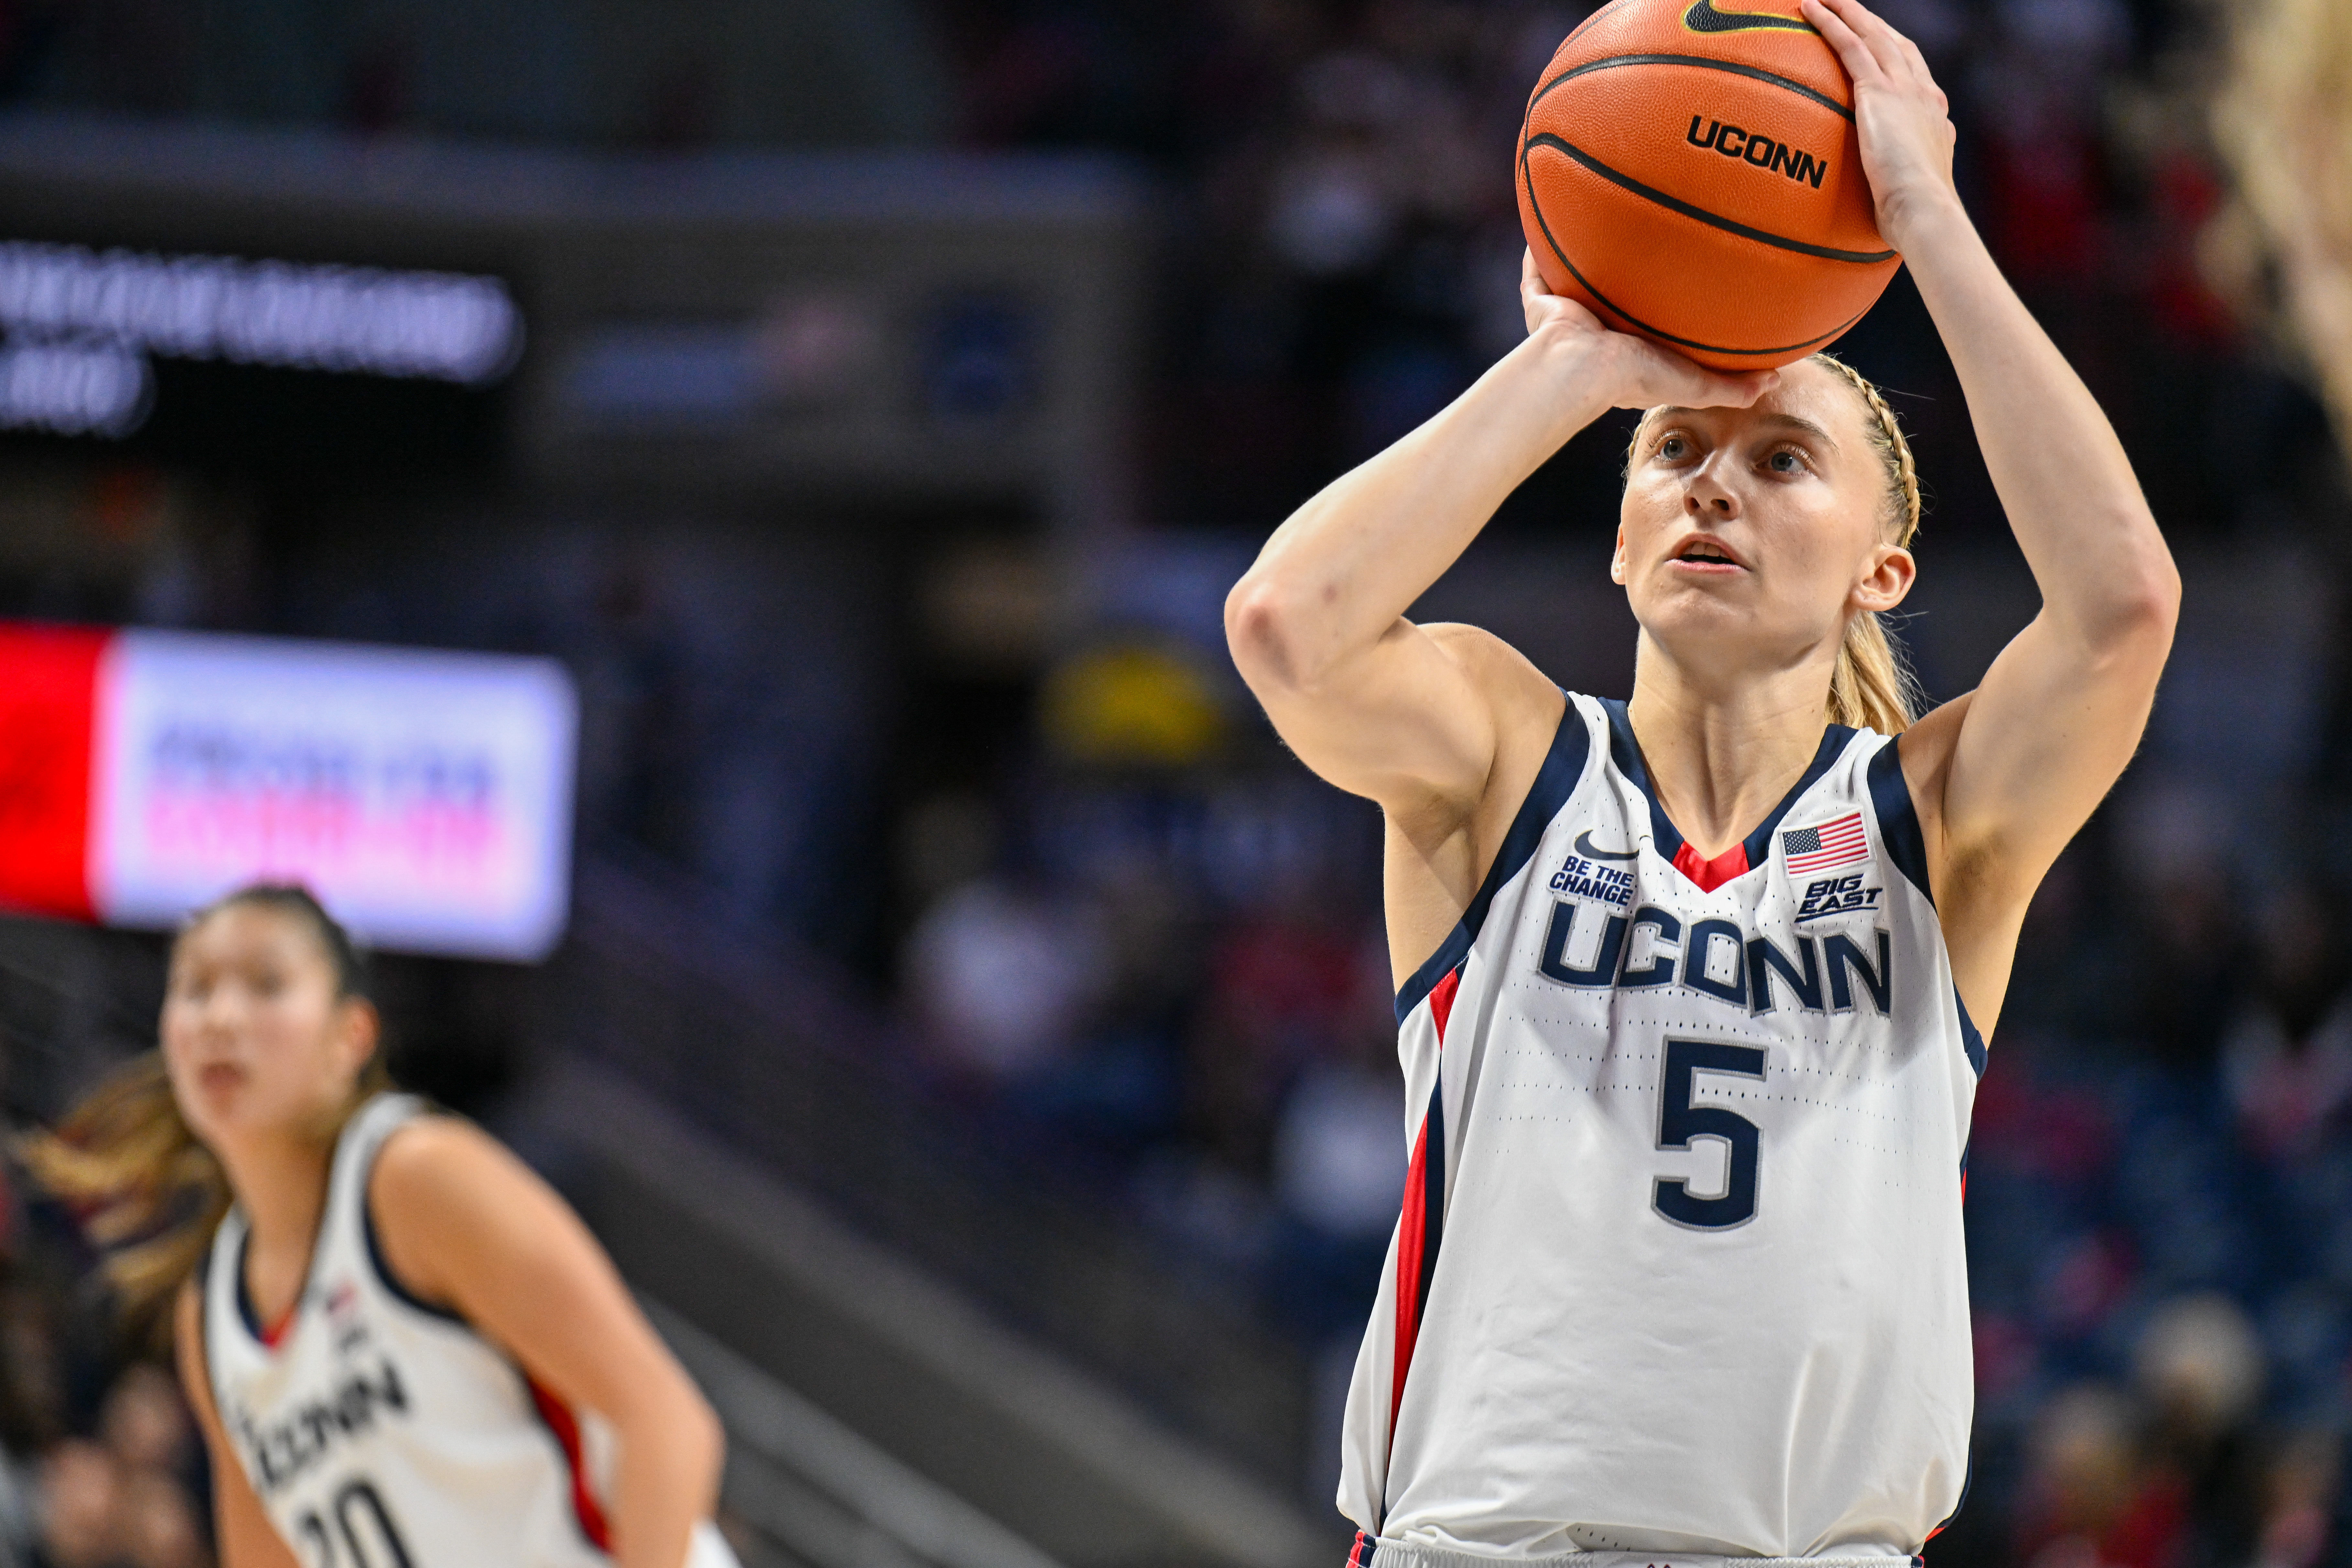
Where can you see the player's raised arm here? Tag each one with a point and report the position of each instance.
(1373, 703)
(2006, 775)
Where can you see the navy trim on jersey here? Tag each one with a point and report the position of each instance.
(391, 1282)
(1432, 1236)
(1970, 1040)
(384, 1276)
(245, 1311)
(1627, 753)
(1433, 1197)
(1906, 846)
(1898, 821)
(1967, 1477)
(1563, 767)
(203, 1280)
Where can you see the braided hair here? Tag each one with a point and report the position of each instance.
(1873, 686)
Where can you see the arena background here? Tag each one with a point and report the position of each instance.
(969, 1029)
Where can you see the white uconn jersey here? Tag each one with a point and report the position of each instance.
(1681, 1265)
(380, 1432)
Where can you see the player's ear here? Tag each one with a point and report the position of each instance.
(1617, 559)
(1889, 579)
(359, 1029)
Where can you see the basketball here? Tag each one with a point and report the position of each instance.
(1692, 173)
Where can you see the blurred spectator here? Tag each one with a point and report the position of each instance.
(1280, 988)
(1338, 1162)
(1338, 1152)
(2301, 1498)
(124, 1500)
(2198, 1371)
(82, 1508)
(2091, 1501)
(2288, 1054)
(159, 1527)
(143, 1424)
(1003, 975)
(2184, 936)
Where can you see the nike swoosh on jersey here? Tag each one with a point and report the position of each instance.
(1584, 848)
(1703, 18)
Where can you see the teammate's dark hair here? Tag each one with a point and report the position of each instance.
(126, 1158)
(349, 960)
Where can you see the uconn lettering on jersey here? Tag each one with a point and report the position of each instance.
(1715, 958)
(285, 1449)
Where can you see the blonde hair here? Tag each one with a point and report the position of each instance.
(149, 1192)
(2283, 120)
(1873, 686)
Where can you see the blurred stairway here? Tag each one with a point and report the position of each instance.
(824, 1238)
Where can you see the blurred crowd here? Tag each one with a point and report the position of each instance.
(1344, 245)
(99, 1464)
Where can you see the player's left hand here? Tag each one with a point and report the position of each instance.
(1904, 117)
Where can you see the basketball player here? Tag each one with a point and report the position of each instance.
(1694, 987)
(402, 1348)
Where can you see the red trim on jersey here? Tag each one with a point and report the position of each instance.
(1412, 1231)
(566, 1427)
(1440, 1001)
(1711, 873)
(273, 1333)
(1359, 1551)
(1410, 1239)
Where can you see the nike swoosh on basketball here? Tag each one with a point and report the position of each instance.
(1584, 848)
(1703, 18)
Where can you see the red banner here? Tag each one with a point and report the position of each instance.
(48, 699)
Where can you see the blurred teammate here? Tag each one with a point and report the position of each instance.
(1687, 981)
(402, 1347)
(2284, 119)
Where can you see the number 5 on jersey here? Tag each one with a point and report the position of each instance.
(1679, 1121)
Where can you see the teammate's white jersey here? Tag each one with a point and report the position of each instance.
(1680, 1268)
(380, 1432)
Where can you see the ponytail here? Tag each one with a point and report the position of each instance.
(1874, 687)
(146, 1188)
(148, 1192)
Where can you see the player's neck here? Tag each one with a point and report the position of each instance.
(280, 1182)
(1722, 755)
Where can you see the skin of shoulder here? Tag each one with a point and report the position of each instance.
(1436, 853)
(461, 1220)
(465, 1224)
(438, 1192)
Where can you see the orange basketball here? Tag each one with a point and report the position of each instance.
(1691, 172)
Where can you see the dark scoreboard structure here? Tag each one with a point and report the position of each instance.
(897, 323)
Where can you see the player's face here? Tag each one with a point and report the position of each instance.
(256, 1039)
(1753, 533)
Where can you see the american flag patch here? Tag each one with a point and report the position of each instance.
(1838, 843)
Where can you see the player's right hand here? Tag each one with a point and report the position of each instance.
(1633, 373)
